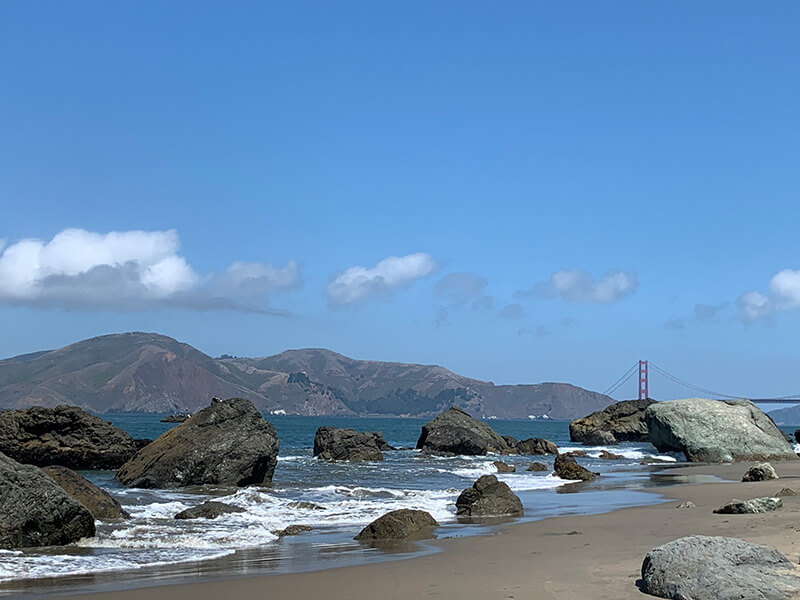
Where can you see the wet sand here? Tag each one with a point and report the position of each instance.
(595, 557)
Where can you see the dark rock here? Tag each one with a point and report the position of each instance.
(796, 436)
(577, 453)
(749, 507)
(566, 467)
(760, 472)
(536, 446)
(176, 418)
(510, 440)
(227, 443)
(294, 530)
(716, 568)
(208, 510)
(455, 432)
(504, 467)
(403, 524)
(332, 443)
(141, 443)
(716, 431)
(36, 511)
(606, 455)
(488, 497)
(622, 421)
(66, 436)
(99, 502)
(537, 466)
(381, 442)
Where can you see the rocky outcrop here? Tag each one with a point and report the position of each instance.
(209, 510)
(537, 466)
(403, 524)
(536, 446)
(381, 442)
(228, 443)
(711, 568)
(760, 472)
(566, 467)
(455, 432)
(504, 467)
(488, 497)
(65, 436)
(749, 507)
(36, 511)
(99, 502)
(332, 443)
(620, 422)
(716, 431)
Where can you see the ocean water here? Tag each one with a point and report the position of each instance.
(336, 499)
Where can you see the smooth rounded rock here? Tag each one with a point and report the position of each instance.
(333, 443)
(488, 497)
(455, 432)
(402, 524)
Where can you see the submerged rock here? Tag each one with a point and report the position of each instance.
(99, 502)
(754, 506)
(36, 511)
(536, 446)
(488, 497)
(455, 432)
(402, 524)
(716, 431)
(713, 568)
(504, 467)
(332, 443)
(294, 530)
(209, 510)
(566, 467)
(537, 466)
(606, 455)
(760, 472)
(227, 443)
(66, 436)
(621, 422)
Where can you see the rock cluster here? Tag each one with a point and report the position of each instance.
(332, 443)
(402, 524)
(227, 443)
(99, 502)
(488, 497)
(621, 422)
(455, 432)
(566, 467)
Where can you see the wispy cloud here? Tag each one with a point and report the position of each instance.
(359, 284)
(460, 290)
(130, 270)
(578, 285)
(512, 311)
(675, 324)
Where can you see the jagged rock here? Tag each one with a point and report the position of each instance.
(36, 511)
(537, 446)
(402, 524)
(455, 432)
(537, 466)
(797, 435)
(332, 443)
(381, 442)
(66, 436)
(687, 504)
(743, 507)
(760, 472)
(488, 497)
(606, 455)
(785, 493)
(176, 418)
(510, 440)
(566, 467)
(209, 509)
(622, 421)
(227, 443)
(716, 431)
(504, 467)
(715, 568)
(99, 502)
(294, 530)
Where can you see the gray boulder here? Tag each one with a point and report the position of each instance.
(455, 432)
(99, 502)
(536, 446)
(749, 507)
(760, 472)
(209, 509)
(718, 568)
(566, 467)
(66, 436)
(402, 524)
(36, 511)
(716, 431)
(332, 443)
(488, 497)
(620, 422)
(227, 443)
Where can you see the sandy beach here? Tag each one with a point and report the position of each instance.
(597, 557)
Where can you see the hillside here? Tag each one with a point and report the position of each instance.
(786, 416)
(147, 372)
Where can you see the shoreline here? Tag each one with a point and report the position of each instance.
(584, 556)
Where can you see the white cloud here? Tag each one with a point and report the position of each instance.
(127, 270)
(577, 285)
(784, 294)
(358, 284)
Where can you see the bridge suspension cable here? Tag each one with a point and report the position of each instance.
(622, 380)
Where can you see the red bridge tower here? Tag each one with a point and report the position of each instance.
(643, 387)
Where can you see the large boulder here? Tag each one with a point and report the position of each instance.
(566, 467)
(99, 502)
(210, 509)
(716, 431)
(36, 511)
(536, 446)
(227, 443)
(455, 432)
(402, 524)
(66, 436)
(620, 422)
(700, 567)
(749, 507)
(488, 497)
(332, 443)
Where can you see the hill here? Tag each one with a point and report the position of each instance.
(148, 372)
(786, 416)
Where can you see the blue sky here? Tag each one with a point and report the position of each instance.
(520, 192)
